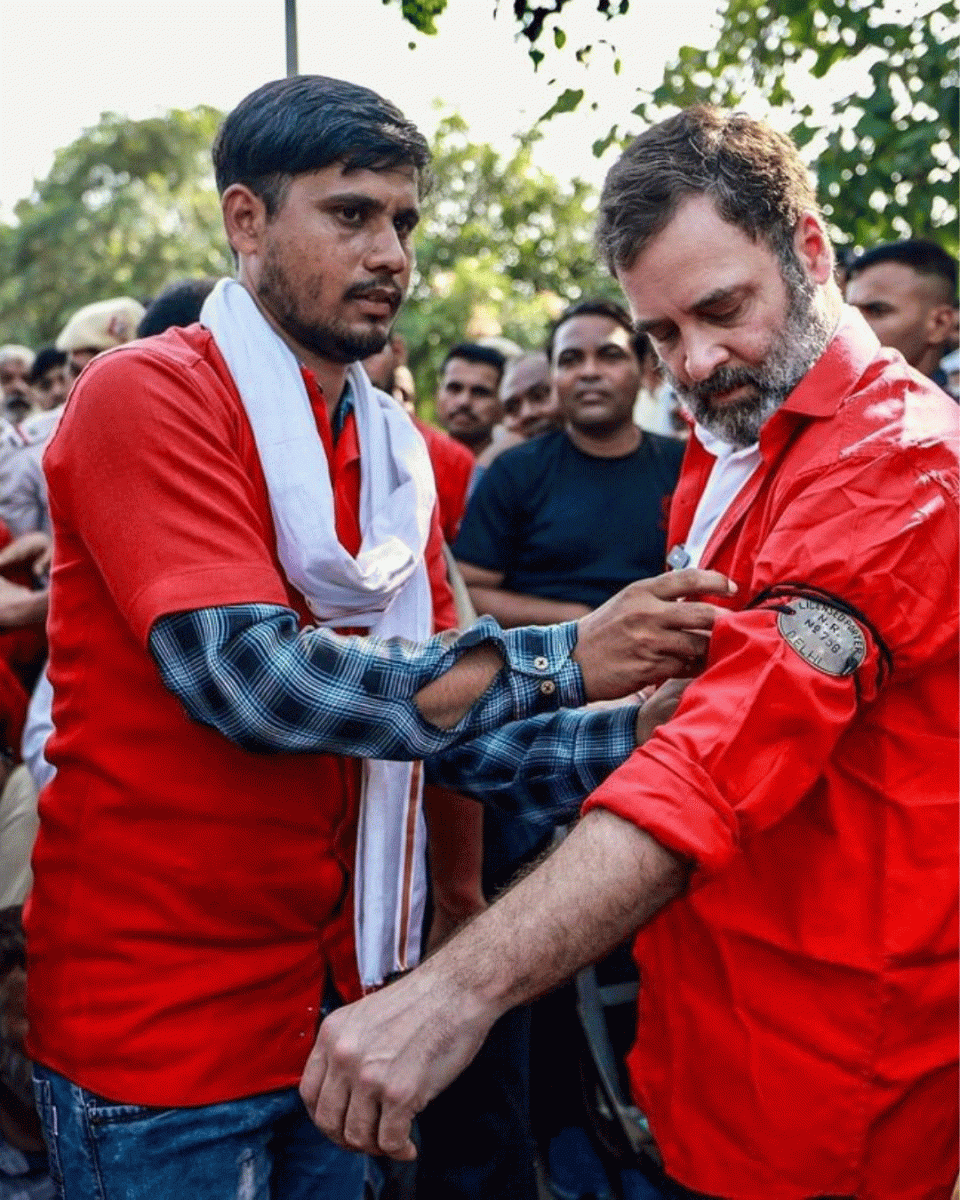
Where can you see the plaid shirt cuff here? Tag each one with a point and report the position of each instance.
(540, 770)
(542, 676)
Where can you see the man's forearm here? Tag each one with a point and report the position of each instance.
(603, 882)
(251, 673)
(446, 700)
(378, 1062)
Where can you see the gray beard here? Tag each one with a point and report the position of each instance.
(805, 335)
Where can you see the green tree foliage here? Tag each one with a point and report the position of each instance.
(531, 19)
(501, 245)
(884, 146)
(127, 207)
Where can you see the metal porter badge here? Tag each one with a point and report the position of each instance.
(825, 637)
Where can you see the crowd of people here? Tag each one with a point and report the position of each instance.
(646, 657)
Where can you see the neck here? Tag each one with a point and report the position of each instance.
(331, 376)
(475, 448)
(831, 305)
(929, 360)
(610, 443)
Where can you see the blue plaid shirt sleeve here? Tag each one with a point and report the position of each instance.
(542, 769)
(250, 672)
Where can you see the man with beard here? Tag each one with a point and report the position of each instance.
(786, 845)
(468, 394)
(213, 865)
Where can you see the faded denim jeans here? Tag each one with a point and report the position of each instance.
(260, 1148)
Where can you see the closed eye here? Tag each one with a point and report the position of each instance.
(661, 334)
(723, 316)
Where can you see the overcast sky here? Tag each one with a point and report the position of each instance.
(67, 62)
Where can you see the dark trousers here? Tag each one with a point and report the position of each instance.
(475, 1136)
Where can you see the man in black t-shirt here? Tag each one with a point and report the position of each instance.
(561, 523)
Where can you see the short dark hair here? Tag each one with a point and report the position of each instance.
(47, 357)
(598, 308)
(475, 353)
(294, 126)
(753, 175)
(924, 257)
(178, 304)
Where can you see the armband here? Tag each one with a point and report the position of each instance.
(824, 629)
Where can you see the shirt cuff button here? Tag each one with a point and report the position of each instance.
(541, 663)
(548, 687)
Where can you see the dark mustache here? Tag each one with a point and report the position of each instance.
(375, 290)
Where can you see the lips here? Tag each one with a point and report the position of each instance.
(728, 395)
(387, 300)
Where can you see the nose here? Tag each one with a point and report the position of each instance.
(702, 355)
(388, 252)
(588, 367)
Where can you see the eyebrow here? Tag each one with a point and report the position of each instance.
(711, 300)
(365, 200)
(583, 349)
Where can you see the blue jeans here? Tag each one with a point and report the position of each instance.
(260, 1148)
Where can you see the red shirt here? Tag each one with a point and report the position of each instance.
(189, 896)
(452, 468)
(797, 1033)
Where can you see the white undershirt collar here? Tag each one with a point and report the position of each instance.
(730, 472)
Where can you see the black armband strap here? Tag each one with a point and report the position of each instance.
(824, 629)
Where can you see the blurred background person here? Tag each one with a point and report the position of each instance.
(452, 462)
(907, 291)
(16, 363)
(48, 378)
(97, 327)
(468, 394)
(558, 525)
(178, 304)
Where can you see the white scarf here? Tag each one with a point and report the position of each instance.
(386, 587)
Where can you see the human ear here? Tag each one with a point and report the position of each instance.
(244, 218)
(942, 325)
(813, 247)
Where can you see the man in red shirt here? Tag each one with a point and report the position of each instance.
(468, 394)
(215, 863)
(786, 844)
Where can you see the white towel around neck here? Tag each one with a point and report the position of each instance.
(385, 587)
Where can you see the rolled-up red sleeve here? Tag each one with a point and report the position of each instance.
(749, 739)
